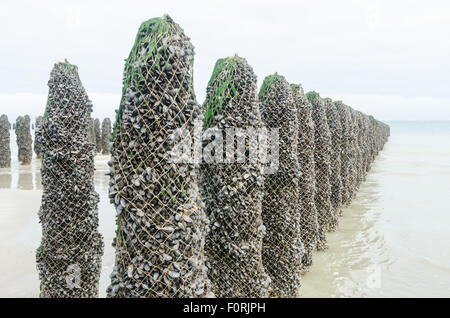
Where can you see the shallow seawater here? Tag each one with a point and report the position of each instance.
(392, 240)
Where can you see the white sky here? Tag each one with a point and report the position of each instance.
(386, 58)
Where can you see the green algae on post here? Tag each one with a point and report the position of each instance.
(161, 224)
(226, 67)
(232, 192)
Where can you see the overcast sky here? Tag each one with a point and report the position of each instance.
(386, 58)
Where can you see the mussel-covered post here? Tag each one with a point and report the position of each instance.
(334, 123)
(5, 148)
(307, 180)
(69, 258)
(106, 135)
(364, 144)
(37, 145)
(232, 187)
(351, 154)
(359, 150)
(354, 157)
(322, 161)
(346, 165)
(98, 136)
(282, 246)
(24, 141)
(161, 224)
(91, 133)
(376, 140)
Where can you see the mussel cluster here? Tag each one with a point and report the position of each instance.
(24, 141)
(37, 145)
(322, 158)
(161, 223)
(353, 154)
(5, 149)
(98, 136)
(91, 133)
(243, 222)
(362, 138)
(282, 246)
(346, 165)
(307, 178)
(233, 190)
(335, 125)
(106, 135)
(69, 258)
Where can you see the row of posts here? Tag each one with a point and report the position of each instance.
(23, 129)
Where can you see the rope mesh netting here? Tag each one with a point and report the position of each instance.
(362, 131)
(282, 246)
(161, 224)
(346, 166)
(334, 123)
(325, 212)
(230, 226)
(106, 135)
(69, 258)
(37, 145)
(366, 143)
(232, 189)
(307, 179)
(24, 141)
(352, 155)
(5, 148)
(357, 149)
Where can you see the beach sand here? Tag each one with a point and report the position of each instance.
(392, 241)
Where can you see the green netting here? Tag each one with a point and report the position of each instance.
(5, 148)
(161, 224)
(307, 180)
(69, 258)
(232, 191)
(24, 141)
(322, 160)
(282, 246)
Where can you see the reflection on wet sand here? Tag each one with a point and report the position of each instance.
(5, 180)
(25, 181)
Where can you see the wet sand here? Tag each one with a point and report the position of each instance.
(392, 240)
(20, 231)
